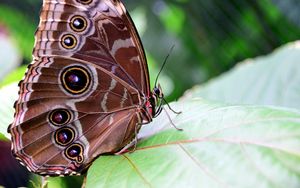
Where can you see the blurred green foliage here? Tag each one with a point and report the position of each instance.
(212, 36)
(20, 27)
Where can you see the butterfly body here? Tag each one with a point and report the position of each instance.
(87, 90)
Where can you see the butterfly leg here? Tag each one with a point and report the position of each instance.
(179, 129)
(159, 110)
(133, 144)
(161, 107)
(170, 107)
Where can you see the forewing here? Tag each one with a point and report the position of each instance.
(109, 37)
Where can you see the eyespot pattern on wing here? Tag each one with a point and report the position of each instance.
(86, 92)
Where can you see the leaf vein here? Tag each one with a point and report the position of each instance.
(137, 170)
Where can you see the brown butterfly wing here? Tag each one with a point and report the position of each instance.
(85, 92)
(109, 37)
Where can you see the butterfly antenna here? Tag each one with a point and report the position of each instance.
(164, 63)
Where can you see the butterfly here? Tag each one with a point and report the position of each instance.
(87, 90)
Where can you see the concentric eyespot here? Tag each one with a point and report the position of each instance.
(68, 41)
(60, 117)
(85, 2)
(78, 23)
(64, 136)
(76, 80)
(75, 152)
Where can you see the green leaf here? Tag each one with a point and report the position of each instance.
(270, 80)
(10, 57)
(8, 95)
(61, 182)
(14, 76)
(221, 146)
(2, 137)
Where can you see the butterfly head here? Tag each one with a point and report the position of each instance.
(154, 102)
(157, 92)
